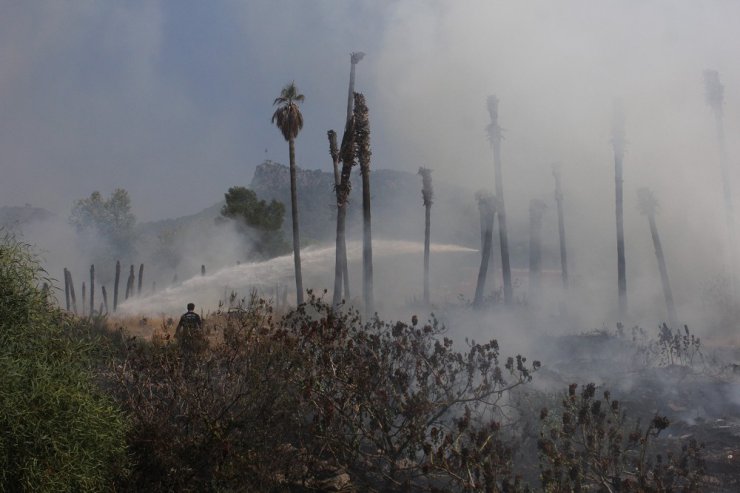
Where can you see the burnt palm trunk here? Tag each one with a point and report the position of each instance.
(72, 292)
(294, 215)
(648, 206)
(618, 143)
(141, 279)
(340, 267)
(536, 211)
(427, 194)
(84, 299)
(715, 99)
(362, 142)
(487, 211)
(494, 135)
(105, 298)
(354, 59)
(561, 226)
(92, 289)
(130, 283)
(115, 285)
(66, 288)
(348, 160)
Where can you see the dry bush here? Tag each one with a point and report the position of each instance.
(317, 401)
(589, 445)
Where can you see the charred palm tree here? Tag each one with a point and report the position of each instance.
(72, 291)
(347, 156)
(494, 136)
(362, 147)
(66, 288)
(561, 225)
(427, 194)
(648, 206)
(536, 211)
(115, 285)
(92, 289)
(487, 209)
(618, 145)
(715, 95)
(289, 120)
(354, 59)
(336, 158)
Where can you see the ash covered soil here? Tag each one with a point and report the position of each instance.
(696, 387)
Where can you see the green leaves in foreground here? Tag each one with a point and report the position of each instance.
(57, 433)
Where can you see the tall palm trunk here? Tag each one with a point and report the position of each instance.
(294, 216)
(494, 135)
(715, 99)
(648, 206)
(66, 288)
(427, 193)
(342, 190)
(618, 143)
(362, 142)
(486, 207)
(536, 211)
(72, 292)
(92, 288)
(341, 242)
(115, 285)
(561, 226)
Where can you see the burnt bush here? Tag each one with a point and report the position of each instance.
(317, 401)
(590, 445)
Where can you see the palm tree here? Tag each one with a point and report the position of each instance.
(494, 136)
(618, 144)
(427, 193)
(487, 209)
(289, 120)
(648, 205)
(536, 211)
(561, 225)
(342, 188)
(715, 94)
(354, 59)
(362, 146)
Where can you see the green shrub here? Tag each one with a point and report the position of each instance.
(57, 432)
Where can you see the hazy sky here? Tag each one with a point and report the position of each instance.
(172, 100)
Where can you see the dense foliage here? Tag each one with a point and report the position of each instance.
(110, 219)
(260, 220)
(57, 431)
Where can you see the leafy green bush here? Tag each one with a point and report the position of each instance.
(57, 432)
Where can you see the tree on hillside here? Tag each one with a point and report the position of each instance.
(362, 145)
(265, 220)
(494, 136)
(427, 195)
(110, 218)
(289, 120)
